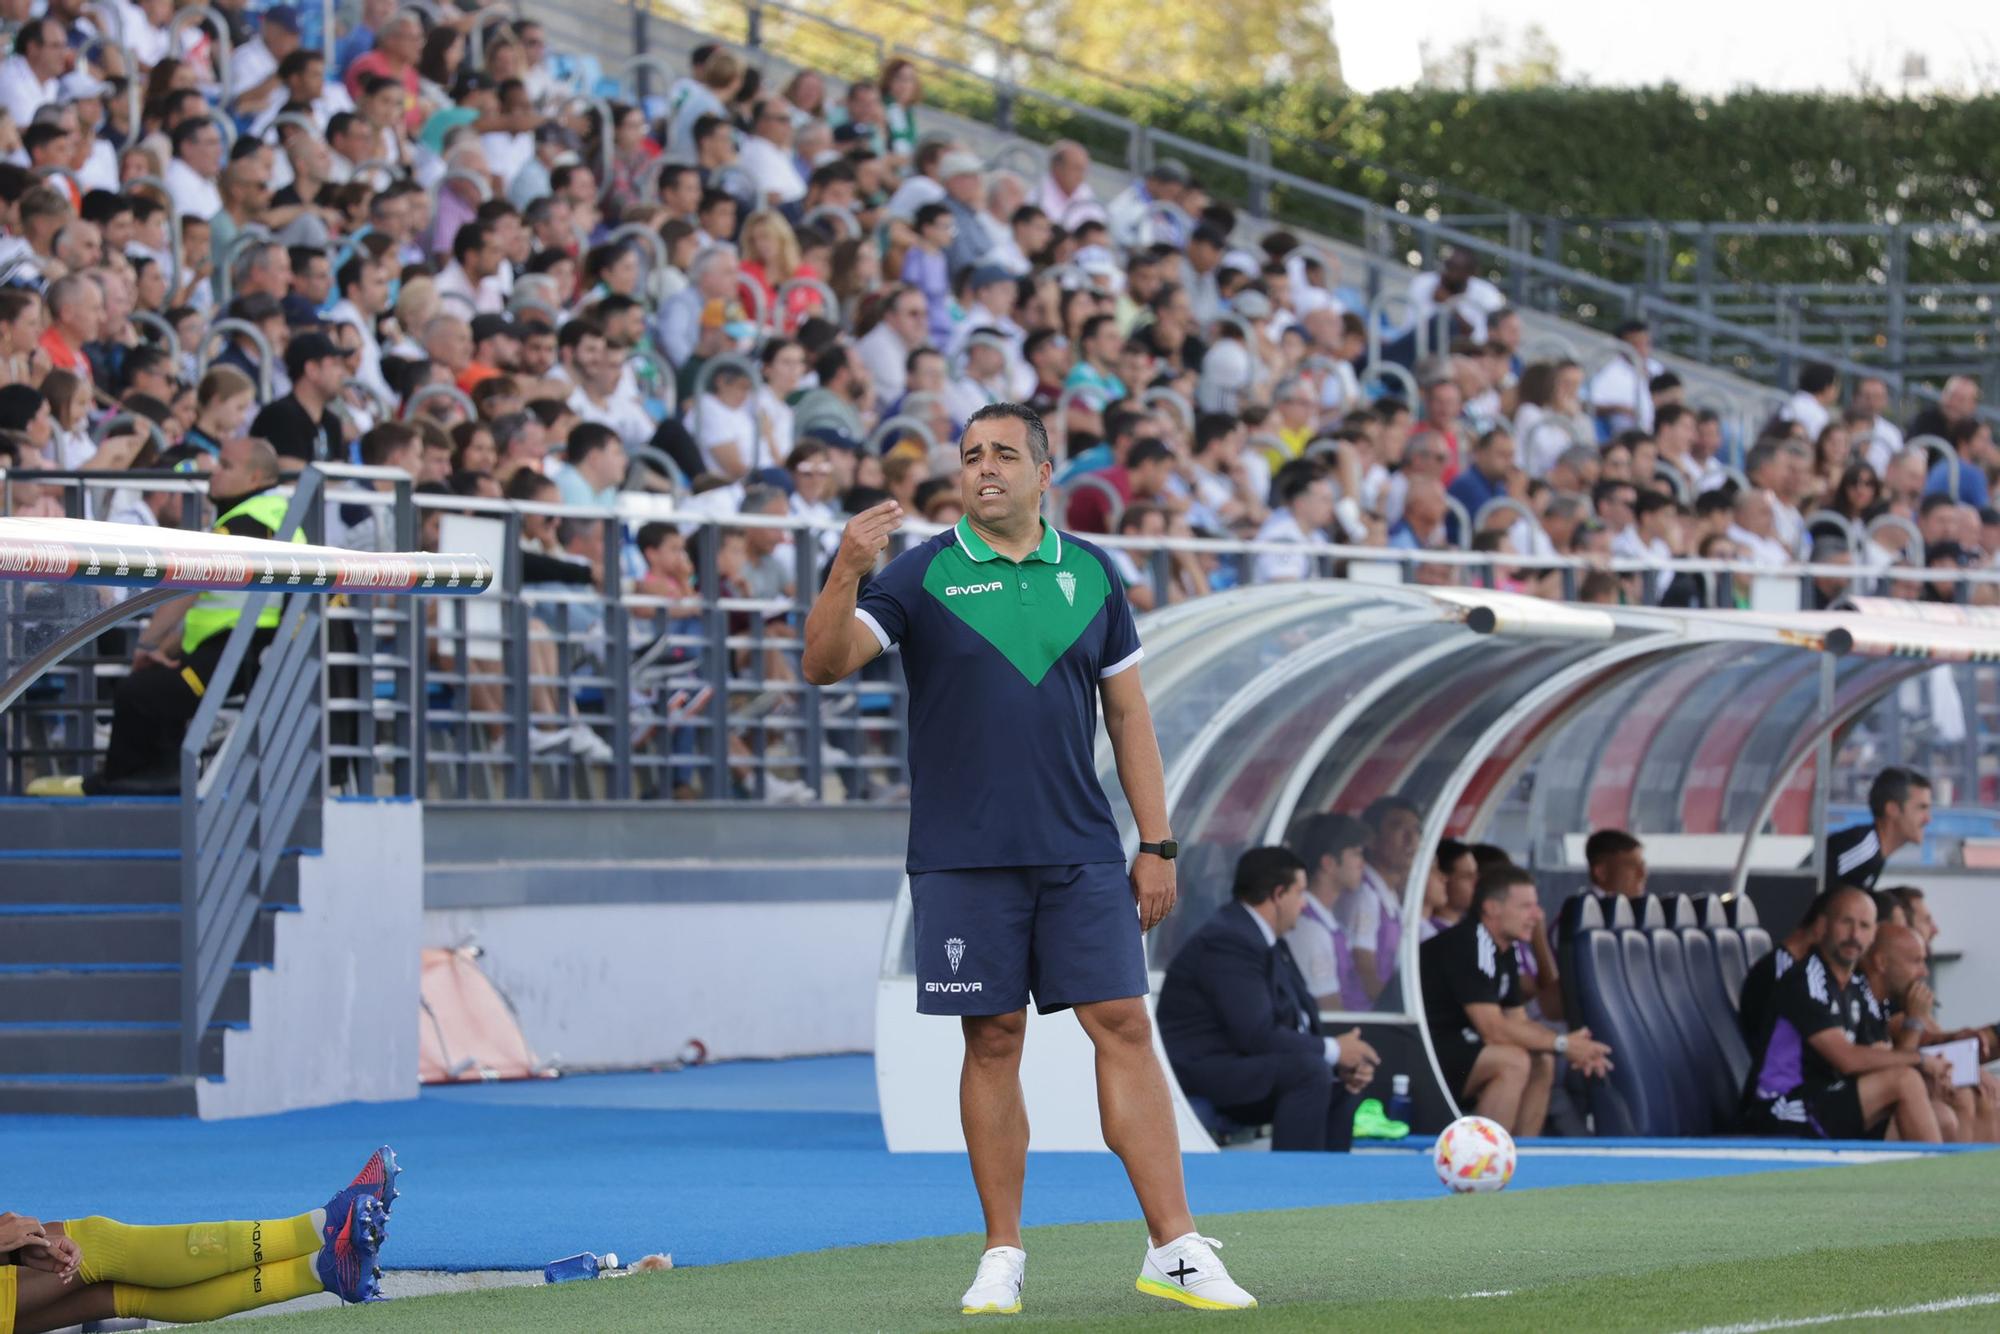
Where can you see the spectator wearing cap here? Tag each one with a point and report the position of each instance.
(28, 77)
(196, 166)
(1135, 218)
(298, 425)
(962, 175)
(253, 67)
(1620, 394)
(96, 159)
(766, 153)
(991, 292)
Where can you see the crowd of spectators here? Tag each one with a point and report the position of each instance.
(427, 253)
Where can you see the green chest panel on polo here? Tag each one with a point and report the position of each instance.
(1030, 613)
(1003, 661)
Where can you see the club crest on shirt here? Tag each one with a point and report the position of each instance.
(1066, 581)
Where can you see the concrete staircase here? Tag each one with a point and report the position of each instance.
(90, 896)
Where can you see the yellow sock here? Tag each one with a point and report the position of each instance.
(183, 1253)
(226, 1294)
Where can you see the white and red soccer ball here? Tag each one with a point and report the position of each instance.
(1474, 1156)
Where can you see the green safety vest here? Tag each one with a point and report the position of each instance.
(215, 612)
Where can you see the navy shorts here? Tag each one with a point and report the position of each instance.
(990, 937)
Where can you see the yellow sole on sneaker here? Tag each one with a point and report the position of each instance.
(990, 1309)
(1155, 1288)
(57, 785)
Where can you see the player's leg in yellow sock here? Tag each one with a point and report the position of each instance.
(214, 1298)
(183, 1253)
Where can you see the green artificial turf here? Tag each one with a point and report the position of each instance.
(1669, 1256)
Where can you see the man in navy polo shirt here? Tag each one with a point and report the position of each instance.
(1011, 633)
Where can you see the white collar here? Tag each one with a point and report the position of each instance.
(1263, 927)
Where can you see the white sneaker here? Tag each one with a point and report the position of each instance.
(1185, 1270)
(996, 1288)
(586, 744)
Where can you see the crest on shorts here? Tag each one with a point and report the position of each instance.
(954, 952)
(1066, 581)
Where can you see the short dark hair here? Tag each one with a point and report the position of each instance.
(1892, 787)
(1605, 844)
(1494, 884)
(382, 441)
(1038, 434)
(1449, 851)
(1816, 377)
(1326, 835)
(586, 439)
(1382, 808)
(1262, 872)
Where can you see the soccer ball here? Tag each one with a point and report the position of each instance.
(1474, 1156)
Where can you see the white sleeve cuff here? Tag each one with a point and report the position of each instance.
(1128, 660)
(1332, 1051)
(875, 628)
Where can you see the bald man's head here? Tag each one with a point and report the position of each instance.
(1850, 928)
(1897, 960)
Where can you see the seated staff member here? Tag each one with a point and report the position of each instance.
(1494, 1058)
(1817, 1075)
(1241, 1027)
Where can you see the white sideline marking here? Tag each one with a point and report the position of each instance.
(1773, 1155)
(1874, 1313)
(1502, 1292)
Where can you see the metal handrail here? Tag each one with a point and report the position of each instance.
(475, 37)
(897, 425)
(218, 28)
(850, 225)
(478, 180)
(1456, 508)
(105, 429)
(1935, 448)
(225, 264)
(1413, 394)
(820, 407)
(829, 300)
(431, 391)
(1497, 503)
(256, 337)
(158, 324)
(662, 370)
(1174, 399)
(606, 149)
(1910, 529)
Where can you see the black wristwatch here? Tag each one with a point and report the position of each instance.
(1166, 850)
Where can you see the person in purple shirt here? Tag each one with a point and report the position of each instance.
(925, 268)
(1330, 846)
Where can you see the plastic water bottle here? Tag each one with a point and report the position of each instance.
(1399, 1099)
(586, 1265)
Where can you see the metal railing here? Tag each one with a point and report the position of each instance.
(238, 812)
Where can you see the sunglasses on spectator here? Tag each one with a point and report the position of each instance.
(813, 469)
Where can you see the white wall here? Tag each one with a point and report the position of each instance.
(1967, 907)
(629, 984)
(335, 1018)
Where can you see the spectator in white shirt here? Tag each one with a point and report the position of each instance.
(1812, 405)
(766, 153)
(1754, 529)
(28, 77)
(726, 428)
(196, 166)
(885, 350)
(1876, 437)
(783, 363)
(1620, 395)
(364, 295)
(1305, 497)
(925, 185)
(1454, 285)
(473, 276)
(253, 67)
(1066, 195)
(1149, 210)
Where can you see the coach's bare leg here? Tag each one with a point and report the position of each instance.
(1498, 1084)
(995, 1117)
(1903, 1095)
(1535, 1096)
(1137, 1112)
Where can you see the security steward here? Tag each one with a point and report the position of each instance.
(152, 707)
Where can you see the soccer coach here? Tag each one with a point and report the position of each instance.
(1011, 632)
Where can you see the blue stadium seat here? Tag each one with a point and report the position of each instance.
(1712, 1073)
(1742, 912)
(1633, 1099)
(1729, 960)
(1687, 1108)
(1756, 943)
(1718, 1005)
(1621, 917)
(1683, 911)
(1652, 913)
